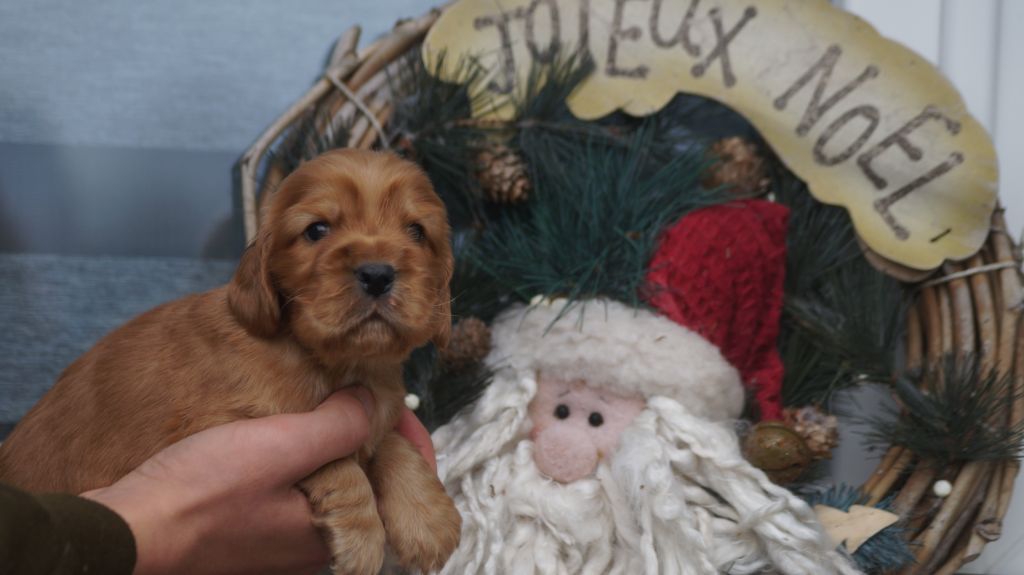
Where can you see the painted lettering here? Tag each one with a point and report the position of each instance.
(618, 32)
(817, 108)
(721, 50)
(682, 35)
(882, 205)
(584, 41)
(508, 65)
(899, 138)
(548, 54)
(869, 113)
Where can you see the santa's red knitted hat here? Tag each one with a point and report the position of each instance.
(719, 271)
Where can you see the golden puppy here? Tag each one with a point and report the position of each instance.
(348, 274)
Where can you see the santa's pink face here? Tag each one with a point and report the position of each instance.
(575, 426)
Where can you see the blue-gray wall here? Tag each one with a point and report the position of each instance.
(120, 119)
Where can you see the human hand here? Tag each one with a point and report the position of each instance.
(224, 500)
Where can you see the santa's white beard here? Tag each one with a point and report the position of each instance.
(517, 521)
(676, 498)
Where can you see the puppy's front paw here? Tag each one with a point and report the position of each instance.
(422, 522)
(423, 536)
(357, 547)
(345, 512)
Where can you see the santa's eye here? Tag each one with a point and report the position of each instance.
(596, 419)
(562, 411)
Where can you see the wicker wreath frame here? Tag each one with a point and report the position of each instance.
(973, 309)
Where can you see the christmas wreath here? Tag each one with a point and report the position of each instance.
(655, 325)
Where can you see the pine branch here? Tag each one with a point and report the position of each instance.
(949, 412)
(547, 87)
(475, 293)
(315, 134)
(430, 124)
(596, 214)
(812, 374)
(442, 393)
(857, 315)
(821, 238)
(843, 320)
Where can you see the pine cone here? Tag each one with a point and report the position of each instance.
(738, 166)
(819, 430)
(502, 175)
(469, 344)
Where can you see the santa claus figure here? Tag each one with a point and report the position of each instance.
(606, 444)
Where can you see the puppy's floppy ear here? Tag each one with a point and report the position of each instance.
(443, 327)
(251, 295)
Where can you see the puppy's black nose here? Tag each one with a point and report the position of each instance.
(376, 279)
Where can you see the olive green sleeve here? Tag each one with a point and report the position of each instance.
(61, 534)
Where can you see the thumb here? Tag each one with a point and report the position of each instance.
(337, 428)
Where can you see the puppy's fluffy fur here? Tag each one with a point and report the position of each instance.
(293, 326)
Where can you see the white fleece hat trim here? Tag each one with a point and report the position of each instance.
(619, 348)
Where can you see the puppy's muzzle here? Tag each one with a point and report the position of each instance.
(376, 279)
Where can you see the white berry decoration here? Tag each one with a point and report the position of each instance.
(412, 401)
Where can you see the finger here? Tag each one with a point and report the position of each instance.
(295, 518)
(409, 427)
(304, 442)
(287, 538)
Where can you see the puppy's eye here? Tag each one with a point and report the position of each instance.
(562, 411)
(596, 419)
(416, 232)
(316, 231)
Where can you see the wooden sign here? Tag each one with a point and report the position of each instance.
(868, 124)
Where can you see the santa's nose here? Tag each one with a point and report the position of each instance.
(564, 453)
